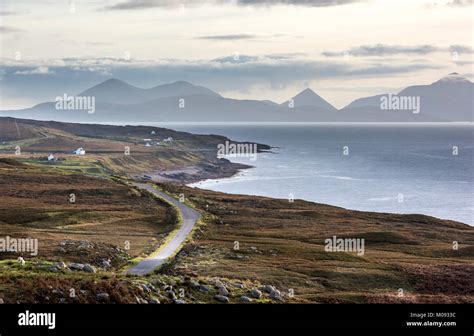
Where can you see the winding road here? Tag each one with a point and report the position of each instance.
(190, 217)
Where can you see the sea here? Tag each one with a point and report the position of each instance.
(397, 168)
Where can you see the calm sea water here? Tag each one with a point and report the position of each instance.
(389, 168)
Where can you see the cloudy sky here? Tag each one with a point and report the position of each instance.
(263, 49)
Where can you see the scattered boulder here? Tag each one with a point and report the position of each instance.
(276, 295)
(76, 266)
(103, 296)
(268, 289)
(141, 300)
(89, 268)
(204, 288)
(244, 298)
(106, 263)
(60, 265)
(221, 298)
(256, 294)
(1, 301)
(238, 285)
(171, 295)
(153, 301)
(223, 291)
(178, 301)
(21, 261)
(145, 288)
(53, 269)
(194, 284)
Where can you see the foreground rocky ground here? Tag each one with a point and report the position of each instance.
(46, 282)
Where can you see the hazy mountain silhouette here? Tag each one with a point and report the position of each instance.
(448, 99)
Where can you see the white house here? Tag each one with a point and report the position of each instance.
(147, 144)
(153, 132)
(80, 151)
(51, 157)
(170, 139)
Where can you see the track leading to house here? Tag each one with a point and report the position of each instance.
(190, 217)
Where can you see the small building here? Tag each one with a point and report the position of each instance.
(153, 132)
(80, 151)
(147, 144)
(51, 157)
(169, 139)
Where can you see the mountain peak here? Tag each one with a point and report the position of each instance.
(309, 98)
(453, 77)
(113, 81)
(306, 92)
(181, 82)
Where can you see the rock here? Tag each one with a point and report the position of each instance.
(153, 301)
(21, 261)
(105, 263)
(276, 295)
(60, 265)
(221, 298)
(223, 291)
(85, 245)
(244, 298)
(141, 301)
(204, 288)
(179, 302)
(238, 285)
(268, 289)
(256, 294)
(145, 288)
(102, 296)
(76, 266)
(53, 269)
(194, 284)
(1, 301)
(171, 295)
(89, 268)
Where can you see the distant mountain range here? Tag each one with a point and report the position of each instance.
(448, 99)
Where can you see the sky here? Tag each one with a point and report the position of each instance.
(262, 49)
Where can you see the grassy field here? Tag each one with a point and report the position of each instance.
(408, 258)
(37, 203)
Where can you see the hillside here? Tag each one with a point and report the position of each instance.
(282, 244)
(243, 243)
(106, 147)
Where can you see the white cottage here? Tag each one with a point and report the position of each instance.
(80, 151)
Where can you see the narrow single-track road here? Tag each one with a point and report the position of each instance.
(190, 217)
